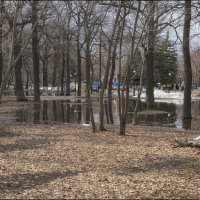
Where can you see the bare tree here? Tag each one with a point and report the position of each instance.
(12, 63)
(187, 116)
(105, 80)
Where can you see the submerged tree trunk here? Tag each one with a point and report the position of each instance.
(187, 116)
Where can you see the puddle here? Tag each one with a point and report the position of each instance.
(76, 112)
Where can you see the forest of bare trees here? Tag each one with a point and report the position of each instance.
(52, 43)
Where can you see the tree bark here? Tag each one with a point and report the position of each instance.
(68, 70)
(79, 58)
(135, 116)
(45, 73)
(55, 66)
(149, 56)
(62, 72)
(187, 116)
(44, 67)
(1, 44)
(19, 90)
(88, 87)
(36, 72)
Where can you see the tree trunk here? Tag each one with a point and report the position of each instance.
(68, 71)
(44, 111)
(55, 66)
(112, 74)
(110, 89)
(135, 116)
(105, 80)
(149, 56)
(44, 68)
(89, 77)
(100, 43)
(45, 74)
(27, 82)
(1, 45)
(187, 116)
(36, 72)
(19, 90)
(79, 107)
(87, 69)
(79, 58)
(62, 73)
(125, 102)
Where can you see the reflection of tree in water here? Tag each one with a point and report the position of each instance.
(79, 111)
(62, 111)
(195, 114)
(36, 113)
(106, 111)
(44, 111)
(68, 111)
(20, 115)
(56, 111)
(156, 117)
(187, 123)
(87, 114)
(76, 112)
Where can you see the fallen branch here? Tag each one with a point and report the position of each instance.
(187, 144)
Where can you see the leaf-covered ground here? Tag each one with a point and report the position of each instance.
(63, 161)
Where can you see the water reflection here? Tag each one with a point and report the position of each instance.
(187, 123)
(36, 112)
(76, 111)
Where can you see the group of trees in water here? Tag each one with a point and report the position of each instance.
(45, 43)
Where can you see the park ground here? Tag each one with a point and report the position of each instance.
(67, 161)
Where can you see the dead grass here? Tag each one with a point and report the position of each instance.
(46, 161)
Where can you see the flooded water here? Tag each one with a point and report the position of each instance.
(76, 112)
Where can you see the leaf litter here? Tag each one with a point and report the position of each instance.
(67, 161)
